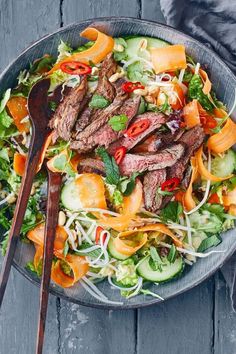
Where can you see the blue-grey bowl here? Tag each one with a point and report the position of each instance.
(224, 83)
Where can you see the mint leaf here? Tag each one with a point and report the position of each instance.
(98, 101)
(208, 243)
(118, 123)
(111, 167)
(127, 185)
(172, 212)
(164, 193)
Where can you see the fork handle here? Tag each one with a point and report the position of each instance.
(21, 205)
(54, 184)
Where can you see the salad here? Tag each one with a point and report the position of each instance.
(145, 149)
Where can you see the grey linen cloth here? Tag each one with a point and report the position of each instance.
(213, 22)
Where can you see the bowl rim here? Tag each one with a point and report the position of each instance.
(111, 19)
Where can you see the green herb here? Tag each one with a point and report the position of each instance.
(4, 244)
(92, 78)
(164, 108)
(142, 106)
(120, 55)
(117, 198)
(172, 254)
(155, 261)
(111, 167)
(217, 103)
(195, 92)
(5, 119)
(52, 105)
(5, 214)
(118, 123)
(98, 101)
(127, 184)
(42, 65)
(190, 60)
(172, 212)
(187, 76)
(209, 242)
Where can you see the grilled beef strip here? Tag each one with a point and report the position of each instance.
(66, 114)
(106, 135)
(91, 165)
(104, 88)
(156, 120)
(151, 182)
(140, 163)
(157, 141)
(192, 139)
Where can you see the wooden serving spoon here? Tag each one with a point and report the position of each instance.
(39, 117)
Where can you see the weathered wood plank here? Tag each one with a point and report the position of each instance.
(22, 22)
(151, 10)
(181, 325)
(224, 319)
(90, 331)
(74, 10)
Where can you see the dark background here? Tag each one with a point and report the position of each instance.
(200, 321)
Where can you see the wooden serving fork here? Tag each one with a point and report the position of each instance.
(38, 112)
(54, 185)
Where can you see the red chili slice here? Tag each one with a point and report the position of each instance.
(131, 86)
(120, 154)
(137, 128)
(170, 184)
(99, 230)
(214, 199)
(75, 68)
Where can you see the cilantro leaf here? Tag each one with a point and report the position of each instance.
(195, 92)
(118, 123)
(111, 167)
(5, 99)
(136, 72)
(5, 119)
(209, 242)
(98, 101)
(172, 211)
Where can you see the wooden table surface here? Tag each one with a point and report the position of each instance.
(200, 321)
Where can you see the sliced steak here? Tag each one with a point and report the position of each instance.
(152, 181)
(106, 135)
(90, 165)
(102, 118)
(66, 114)
(104, 88)
(193, 139)
(140, 163)
(156, 120)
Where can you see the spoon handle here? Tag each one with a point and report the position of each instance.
(21, 205)
(54, 185)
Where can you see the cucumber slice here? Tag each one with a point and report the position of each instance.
(133, 46)
(224, 166)
(169, 270)
(197, 239)
(69, 196)
(113, 251)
